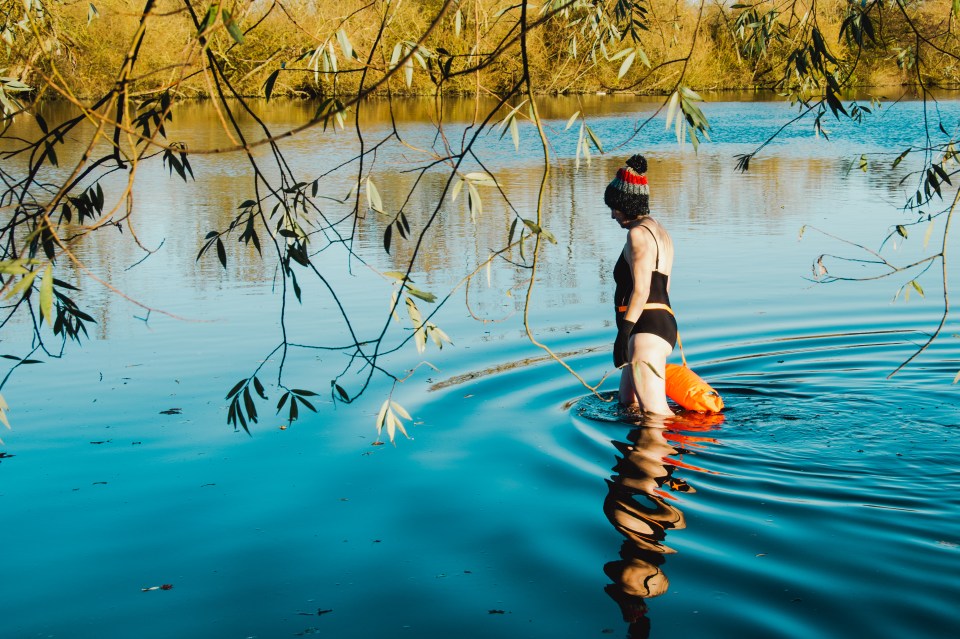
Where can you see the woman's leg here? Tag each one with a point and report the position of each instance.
(628, 395)
(639, 384)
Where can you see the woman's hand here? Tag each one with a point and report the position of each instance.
(620, 345)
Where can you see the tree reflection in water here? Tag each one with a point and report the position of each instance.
(640, 507)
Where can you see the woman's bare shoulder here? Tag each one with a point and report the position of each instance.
(641, 239)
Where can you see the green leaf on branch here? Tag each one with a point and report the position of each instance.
(210, 18)
(373, 197)
(474, 203)
(15, 267)
(900, 158)
(593, 138)
(236, 389)
(430, 298)
(345, 45)
(455, 191)
(626, 64)
(221, 253)
(934, 182)
(944, 176)
(484, 179)
(437, 335)
(672, 108)
(232, 27)
(21, 287)
(340, 391)
(536, 229)
(268, 85)
(46, 295)
(408, 72)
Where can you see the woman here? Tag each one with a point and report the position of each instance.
(646, 328)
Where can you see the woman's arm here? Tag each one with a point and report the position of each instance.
(639, 255)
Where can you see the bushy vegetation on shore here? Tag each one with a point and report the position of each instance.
(312, 48)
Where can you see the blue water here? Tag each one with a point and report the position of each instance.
(824, 502)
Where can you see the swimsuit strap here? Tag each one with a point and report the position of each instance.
(644, 226)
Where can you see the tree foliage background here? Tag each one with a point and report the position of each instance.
(125, 65)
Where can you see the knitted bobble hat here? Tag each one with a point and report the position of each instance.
(628, 192)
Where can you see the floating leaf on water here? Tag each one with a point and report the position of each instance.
(3, 413)
(161, 587)
(400, 409)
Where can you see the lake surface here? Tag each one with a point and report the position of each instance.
(824, 502)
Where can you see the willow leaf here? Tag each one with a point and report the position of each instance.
(46, 295)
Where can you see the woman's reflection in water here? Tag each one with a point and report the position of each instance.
(639, 507)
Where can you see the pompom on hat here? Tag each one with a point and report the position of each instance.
(628, 192)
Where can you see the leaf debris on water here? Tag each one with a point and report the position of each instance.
(172, 411)
(161, 587)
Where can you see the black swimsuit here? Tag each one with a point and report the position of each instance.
(657, 321)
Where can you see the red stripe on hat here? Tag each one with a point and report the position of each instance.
(632, 177)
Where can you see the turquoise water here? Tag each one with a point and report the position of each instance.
(824, 503)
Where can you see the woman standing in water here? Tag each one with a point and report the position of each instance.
(646, 327)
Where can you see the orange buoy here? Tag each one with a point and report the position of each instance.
(688, 390)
